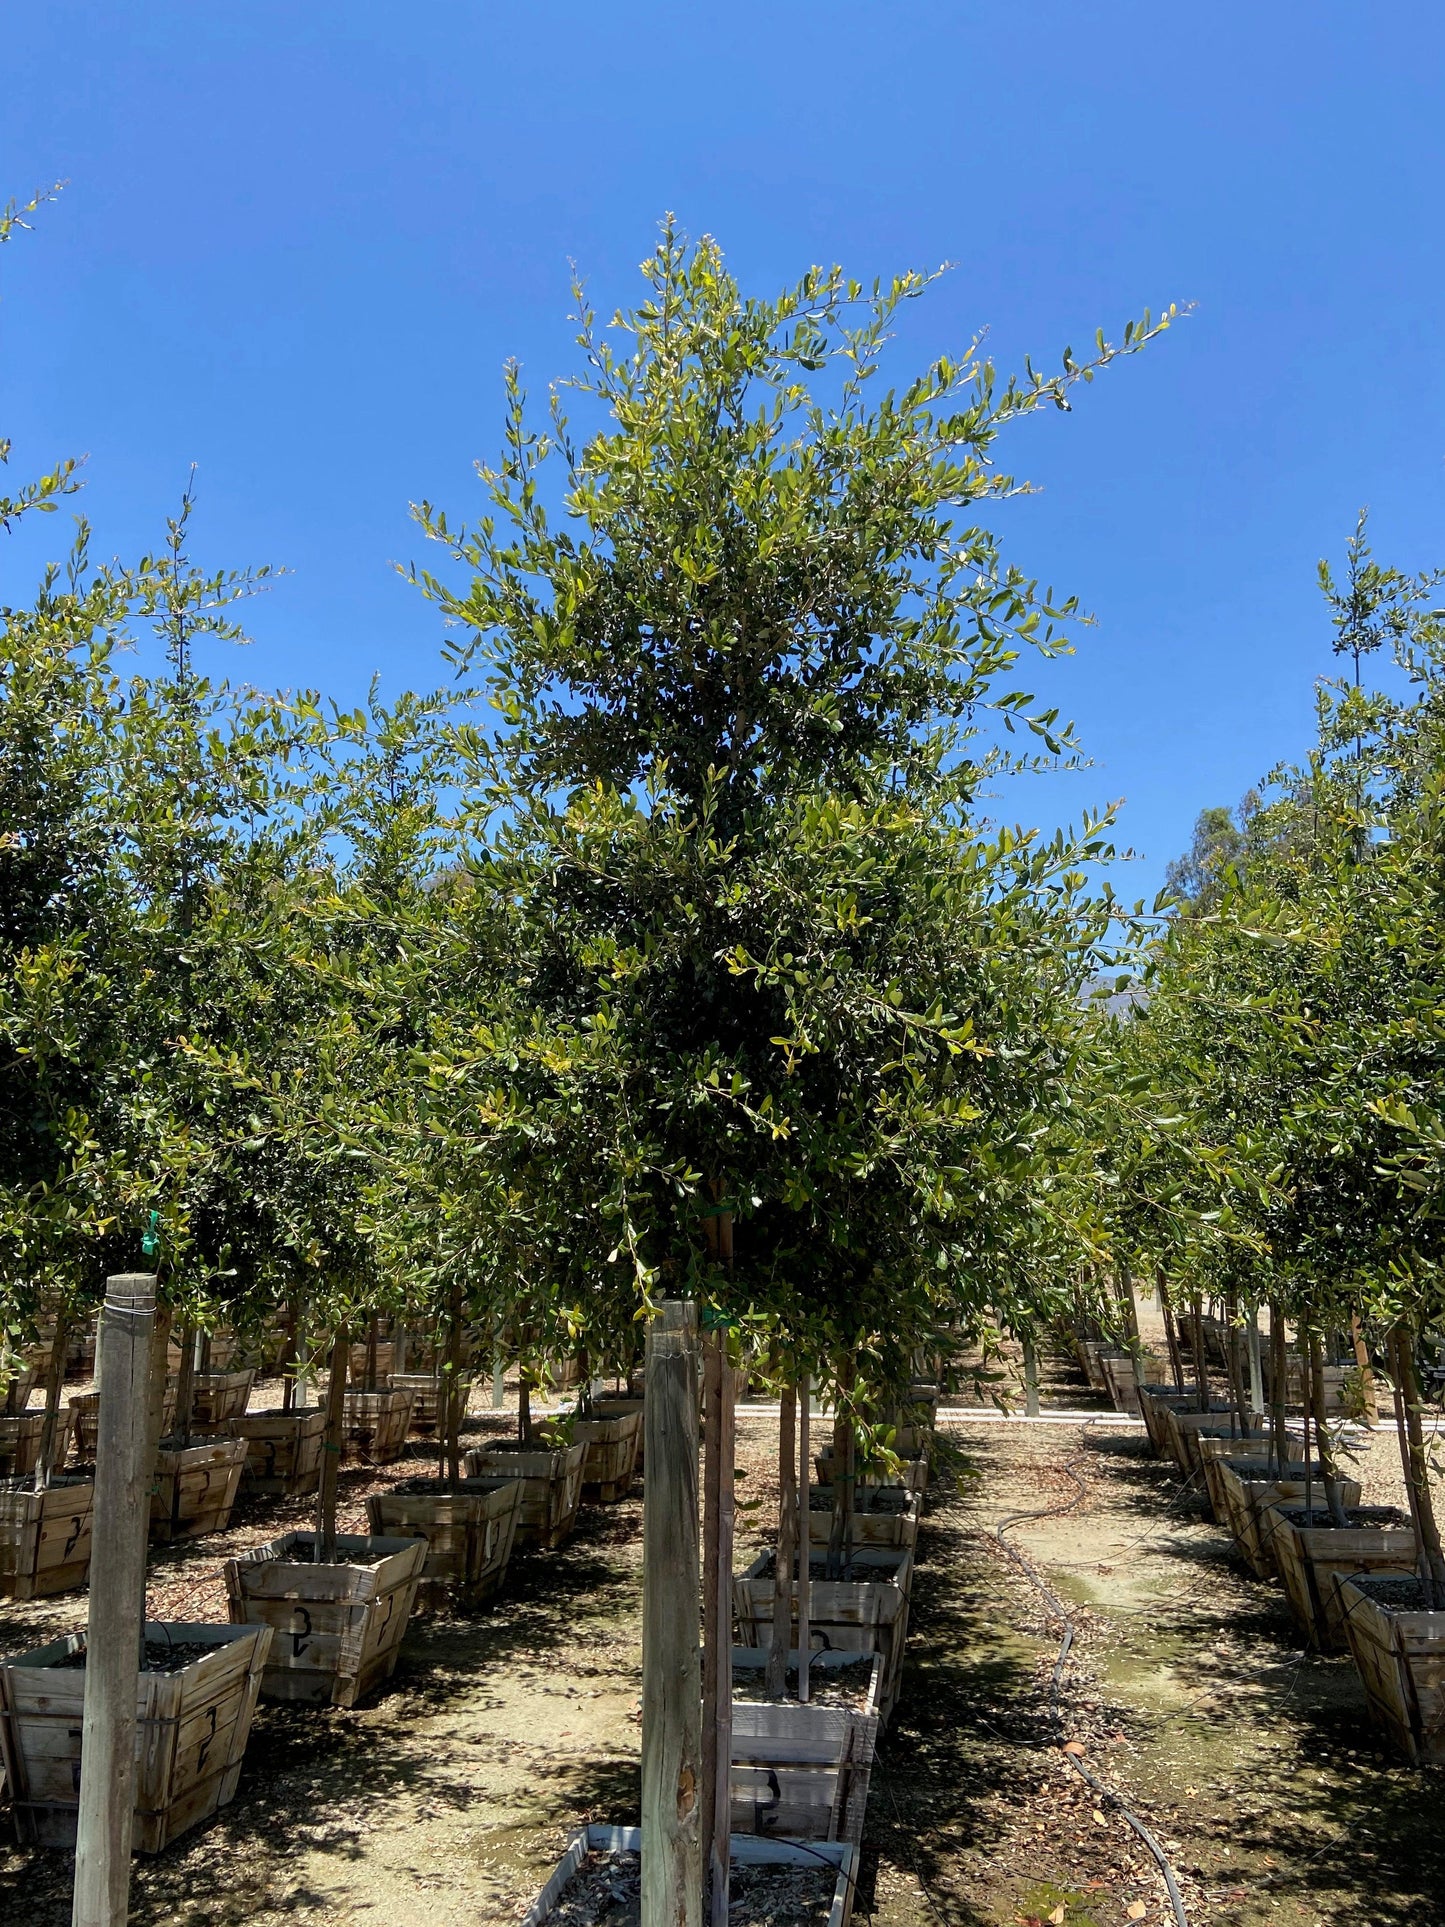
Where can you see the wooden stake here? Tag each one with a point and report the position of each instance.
(1278, 1372)
(1031, 1377)
(54, 1379)
(789, 1532)
(114, 1629)
(1368, 1395)
(186, 1387)
(805, 1536)
(1256, 1367)
(719, 1460)
(451, 1402)
(331, 1449)
(672, 1846)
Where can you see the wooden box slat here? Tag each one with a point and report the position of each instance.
(743, 1850)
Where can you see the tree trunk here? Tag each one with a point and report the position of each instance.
(331, 1449)
(186, 1386)
(54, 1380)
(1234, 1353)
(672, 1844)
(288, 1361)
(1417, 1467)
(1278, 1375)
(524, 1409)
(1171, 1330)
(776, 1677)
(1329, 1475)
(1369, 1397)
(370, 1380)
(1201, 1360)
(1031, 1377)
(1256, 1369)
(845, 1456)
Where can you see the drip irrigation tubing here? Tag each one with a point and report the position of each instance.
(1064, 1617)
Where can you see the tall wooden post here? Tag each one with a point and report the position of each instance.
(54, 1380)
(1031, 1377)
(113, 1634)
(1256, 1368)
(805, 1531)
(719, 1461)
(1369, 1398)
(787, 1545)
(672, 1845)
(331, 1449)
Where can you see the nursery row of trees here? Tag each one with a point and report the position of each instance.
(682, 904)
(678, 905)
(1291, 1035)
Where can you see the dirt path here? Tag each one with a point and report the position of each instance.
(1192, 1693)
(446, 1801)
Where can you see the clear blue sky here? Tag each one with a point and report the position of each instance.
(299, 241)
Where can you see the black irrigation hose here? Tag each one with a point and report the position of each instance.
(1065, 1619)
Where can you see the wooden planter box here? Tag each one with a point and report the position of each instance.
(376, 1425)
(469, 1530)
(611, 1453)
(552, 1486)
(743, 1851)
(45, 1536)
(1089, 1357)
(20, 1441)
(22, 1383)
(803, 1771)
(426, 1389)
(385, 1359)
(882, 1516)
(1185, 1428)
(913, 1477)
(338, 1627)
(1215, 1453)
(1308, 1557)
(1120, 1382)
(1260, 1496)
(844, 1615)
(218, 1397)
(84, 1410)
(1400, 1656)
(192, 1730)
(283, 1450)
(195, 1487)
(1155, 1402)
(621, 1407)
